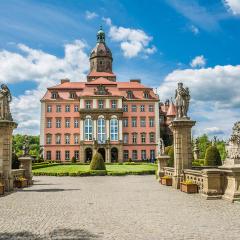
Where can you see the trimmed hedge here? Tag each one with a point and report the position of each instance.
(212, 157)
(97, 162)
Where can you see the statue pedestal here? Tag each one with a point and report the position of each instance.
(6, 130)
(182, 147)
(26, 164)
(162, 163)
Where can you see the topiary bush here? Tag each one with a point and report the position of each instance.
(74, 160)
(97, 162)
(212, 157)
(169, 150)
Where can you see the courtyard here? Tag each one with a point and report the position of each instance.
(105, 207)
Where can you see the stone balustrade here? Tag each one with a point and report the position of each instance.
(18, 173)
(168, 171)
(195, 176)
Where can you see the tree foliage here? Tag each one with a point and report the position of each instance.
(34, 143)
(169, 150)
(97, 162)
(212, 157)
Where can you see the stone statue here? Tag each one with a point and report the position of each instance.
(182, 98)
(161, 147)
(5, 99)
(26, 146)
(196, 150)
(233, 146)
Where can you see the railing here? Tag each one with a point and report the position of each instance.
(17, 173)
(195, 176)
(168, 171)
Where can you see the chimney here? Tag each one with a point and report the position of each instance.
(65, 80)
(135, 80)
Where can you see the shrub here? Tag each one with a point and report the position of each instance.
(169, 150)
(212, 157)
(74, 160)
(97, 162)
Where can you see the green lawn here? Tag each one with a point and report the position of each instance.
(79, 170)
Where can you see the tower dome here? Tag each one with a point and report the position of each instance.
(100, 57)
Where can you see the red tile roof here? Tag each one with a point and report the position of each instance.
(101, 74)
(171, 110)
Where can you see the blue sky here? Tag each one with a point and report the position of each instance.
(161, 42)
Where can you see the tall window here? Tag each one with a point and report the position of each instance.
(114, 129)
(58, 155)
(75, 108)
(88, 104)
(152, 154)
(76, 139)
(49, 138)
(151, 108)
(58, 139)
(76, 154)
(129, 94)
(54, 95)
(125, 138)
(134, 137)
(49, 123)
(76, 123)
(67, 108)
(146, 94)
(142, 108)
(49, 108)
(125, 155)
(143, 155)
(49, 155)
(151, 137)
(58, 123)
(67, 123)
(72, 95)
(143, 137)
(134, 155)
(151, 122)
(88, 129)
(114, 104)
(125, 108)
(67, 139)
(101, 130)
(143, 122)
(58, 108)
(134, 121)
(67, 155)
(134, 108)
(100, 104)
(125, 122)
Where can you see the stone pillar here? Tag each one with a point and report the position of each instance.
(107, 129)
(81, 153)
(120, 152)
(182, 147)
(95, 129)
(108, 155)
(120, 135)
(212, 183)
(162, 163)
(81, 130)
(6, 130)
(26, 164)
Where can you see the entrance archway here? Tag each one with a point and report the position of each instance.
(103, 153)
(114, 154)
(88, 155)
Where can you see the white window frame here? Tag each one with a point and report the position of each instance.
(76, 108)
(67, 139)
(76, 123)
(67, 108)
(114, 129)
(101, 130)
(58, 123)
(49, 123)
(67, 123)
(58, 139)
(67, 155)
(58, 108)
(88, 129)
(142, 108)
(49, 108)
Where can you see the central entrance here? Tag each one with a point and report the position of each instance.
(103, 153)
(88, 155)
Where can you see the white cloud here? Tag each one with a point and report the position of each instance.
(194, 29)
(45, 70)
(233, 5)
(198, 61)
(215, 99)
(132, 41)
(214, 131)
(90, 15)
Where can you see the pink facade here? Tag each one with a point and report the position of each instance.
(118, 119)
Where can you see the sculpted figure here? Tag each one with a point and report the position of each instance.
(161, 147)
(26, 146)
(182, 98)
(5, 99)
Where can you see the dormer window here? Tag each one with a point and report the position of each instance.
(146, 94)
(129, 94)
(54, 95)
(72, 95)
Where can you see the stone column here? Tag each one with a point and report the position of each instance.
(120, 135)
(95, 129)
(6, 130)
(120, 152)
(81, 130)
(182, 147)
(26, 164)
(162, 163)
(107, 129)
(81, 153)
(108, 155)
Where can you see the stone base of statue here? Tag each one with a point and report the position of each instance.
(162, 163)
(26, 164)
(6, 130)
(183, 156)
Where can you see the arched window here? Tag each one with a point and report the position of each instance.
(114, 129)
(101, 130)
(88, 129)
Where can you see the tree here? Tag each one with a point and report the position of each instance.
(212, 157)
(97, 162)
(203, 144)
(169, 150)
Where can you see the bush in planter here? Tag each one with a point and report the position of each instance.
(212, 157)
(97, 162)
(74, 160)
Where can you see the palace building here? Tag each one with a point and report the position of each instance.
(121, 120)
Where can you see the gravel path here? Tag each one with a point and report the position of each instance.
(126, 208)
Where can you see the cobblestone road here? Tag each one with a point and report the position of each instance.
(132, 207)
